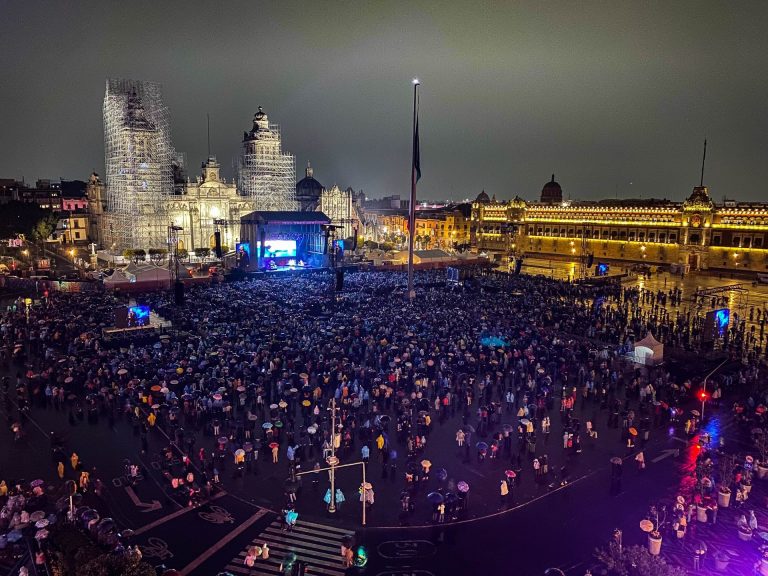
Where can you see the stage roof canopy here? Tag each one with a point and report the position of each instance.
(284, 217)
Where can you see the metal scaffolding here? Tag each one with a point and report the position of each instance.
(265, 173)
(139, 161)
(338, 205)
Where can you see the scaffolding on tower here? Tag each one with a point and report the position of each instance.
(265, 173)
(139, 161)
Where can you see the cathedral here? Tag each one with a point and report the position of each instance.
(147, 192)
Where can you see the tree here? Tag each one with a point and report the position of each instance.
(139, 255)
(115, 565)
(45, 226)
(635, 561)
(202, 253)
(157, 254)
(182, 253)
(128, 253)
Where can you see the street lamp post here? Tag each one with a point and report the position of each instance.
(704, 386)
(332, 459)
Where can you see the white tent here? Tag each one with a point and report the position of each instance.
(649, 351)
(138, 274)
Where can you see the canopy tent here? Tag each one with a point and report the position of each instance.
(142, 276)
(649, 351)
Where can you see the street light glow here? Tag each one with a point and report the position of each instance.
(415, 81)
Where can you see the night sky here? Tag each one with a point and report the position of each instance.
(615, 98)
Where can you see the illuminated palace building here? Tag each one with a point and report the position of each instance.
(696, 234)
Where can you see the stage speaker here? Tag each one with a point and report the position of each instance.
(354, 241)
(590, 260)
(217, 240)
(178, 293)
(518, 265)
(339, 280)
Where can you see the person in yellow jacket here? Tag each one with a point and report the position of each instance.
(74, 459)
(151, 419)
(85, 478)
(60, 470)
(3, 489)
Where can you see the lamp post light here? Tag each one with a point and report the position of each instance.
(333, 460)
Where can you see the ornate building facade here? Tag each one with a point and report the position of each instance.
(696, 234)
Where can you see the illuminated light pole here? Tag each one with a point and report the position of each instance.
(332, 460)
(704, 386)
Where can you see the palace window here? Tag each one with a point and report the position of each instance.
(757, 242)
(623, 235)
(717, 240)
(747, 242)
(641, 236)
(662, 237)
(736, 241)
(651, 237)
(673, 237)
(694, 239)
(631, 235)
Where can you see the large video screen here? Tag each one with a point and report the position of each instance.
(138, 316)
(278, 248)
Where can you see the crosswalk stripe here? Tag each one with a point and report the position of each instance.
(317, 545)
(309, 531)
(304, 539)
(321, 558)
(323, 527)
(306, 548)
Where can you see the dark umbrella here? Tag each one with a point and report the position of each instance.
(435, 498)
(482, 446)
(462, 487)
(441, 474)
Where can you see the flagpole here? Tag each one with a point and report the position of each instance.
(412, 204)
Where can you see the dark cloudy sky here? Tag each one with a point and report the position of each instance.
(614, 97)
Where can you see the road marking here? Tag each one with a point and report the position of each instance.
(147, 506)
(316, 544)
(223, 542)
(171, 516)
(666, 454)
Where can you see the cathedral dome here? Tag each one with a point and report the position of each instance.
(483, 198)
(552, 193)
(308, 190)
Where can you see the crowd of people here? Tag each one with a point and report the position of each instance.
(245, 376)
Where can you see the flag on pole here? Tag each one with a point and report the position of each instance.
(416, 155)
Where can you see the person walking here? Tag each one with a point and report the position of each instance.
(60, 470)
(460, 437)
(74, 460)
(275, 452)
(503, 492)
(640, 459)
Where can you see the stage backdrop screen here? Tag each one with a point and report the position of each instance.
(138, 316)
(278, 248)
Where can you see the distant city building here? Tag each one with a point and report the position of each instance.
(387, 203)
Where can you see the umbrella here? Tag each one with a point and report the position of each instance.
(278, 424)
(468, 428)
(450, 498)
(525, 421)
(646, 525)
(462, 487)
(14, 536)
(283, 404)
(273, 406)
(155, 406)
(156, 388)
(174, 382)
(38, 515)
(41, 534)
(435, 498)
(157, 345)
(267, 425)
(633, 431)
(441, 474)
(304, 376)
(482, 446)
(312, 429)
(367, 486)
(68, 380)
(240, 452)
(696, 413)
(507, 428)
(426, 463)
(217, 397)
(38, 482)
(616, 460)
(122, 372)
(273, 444)
(241, 388)
(42, 523)
(306, 403)
(510, 474)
